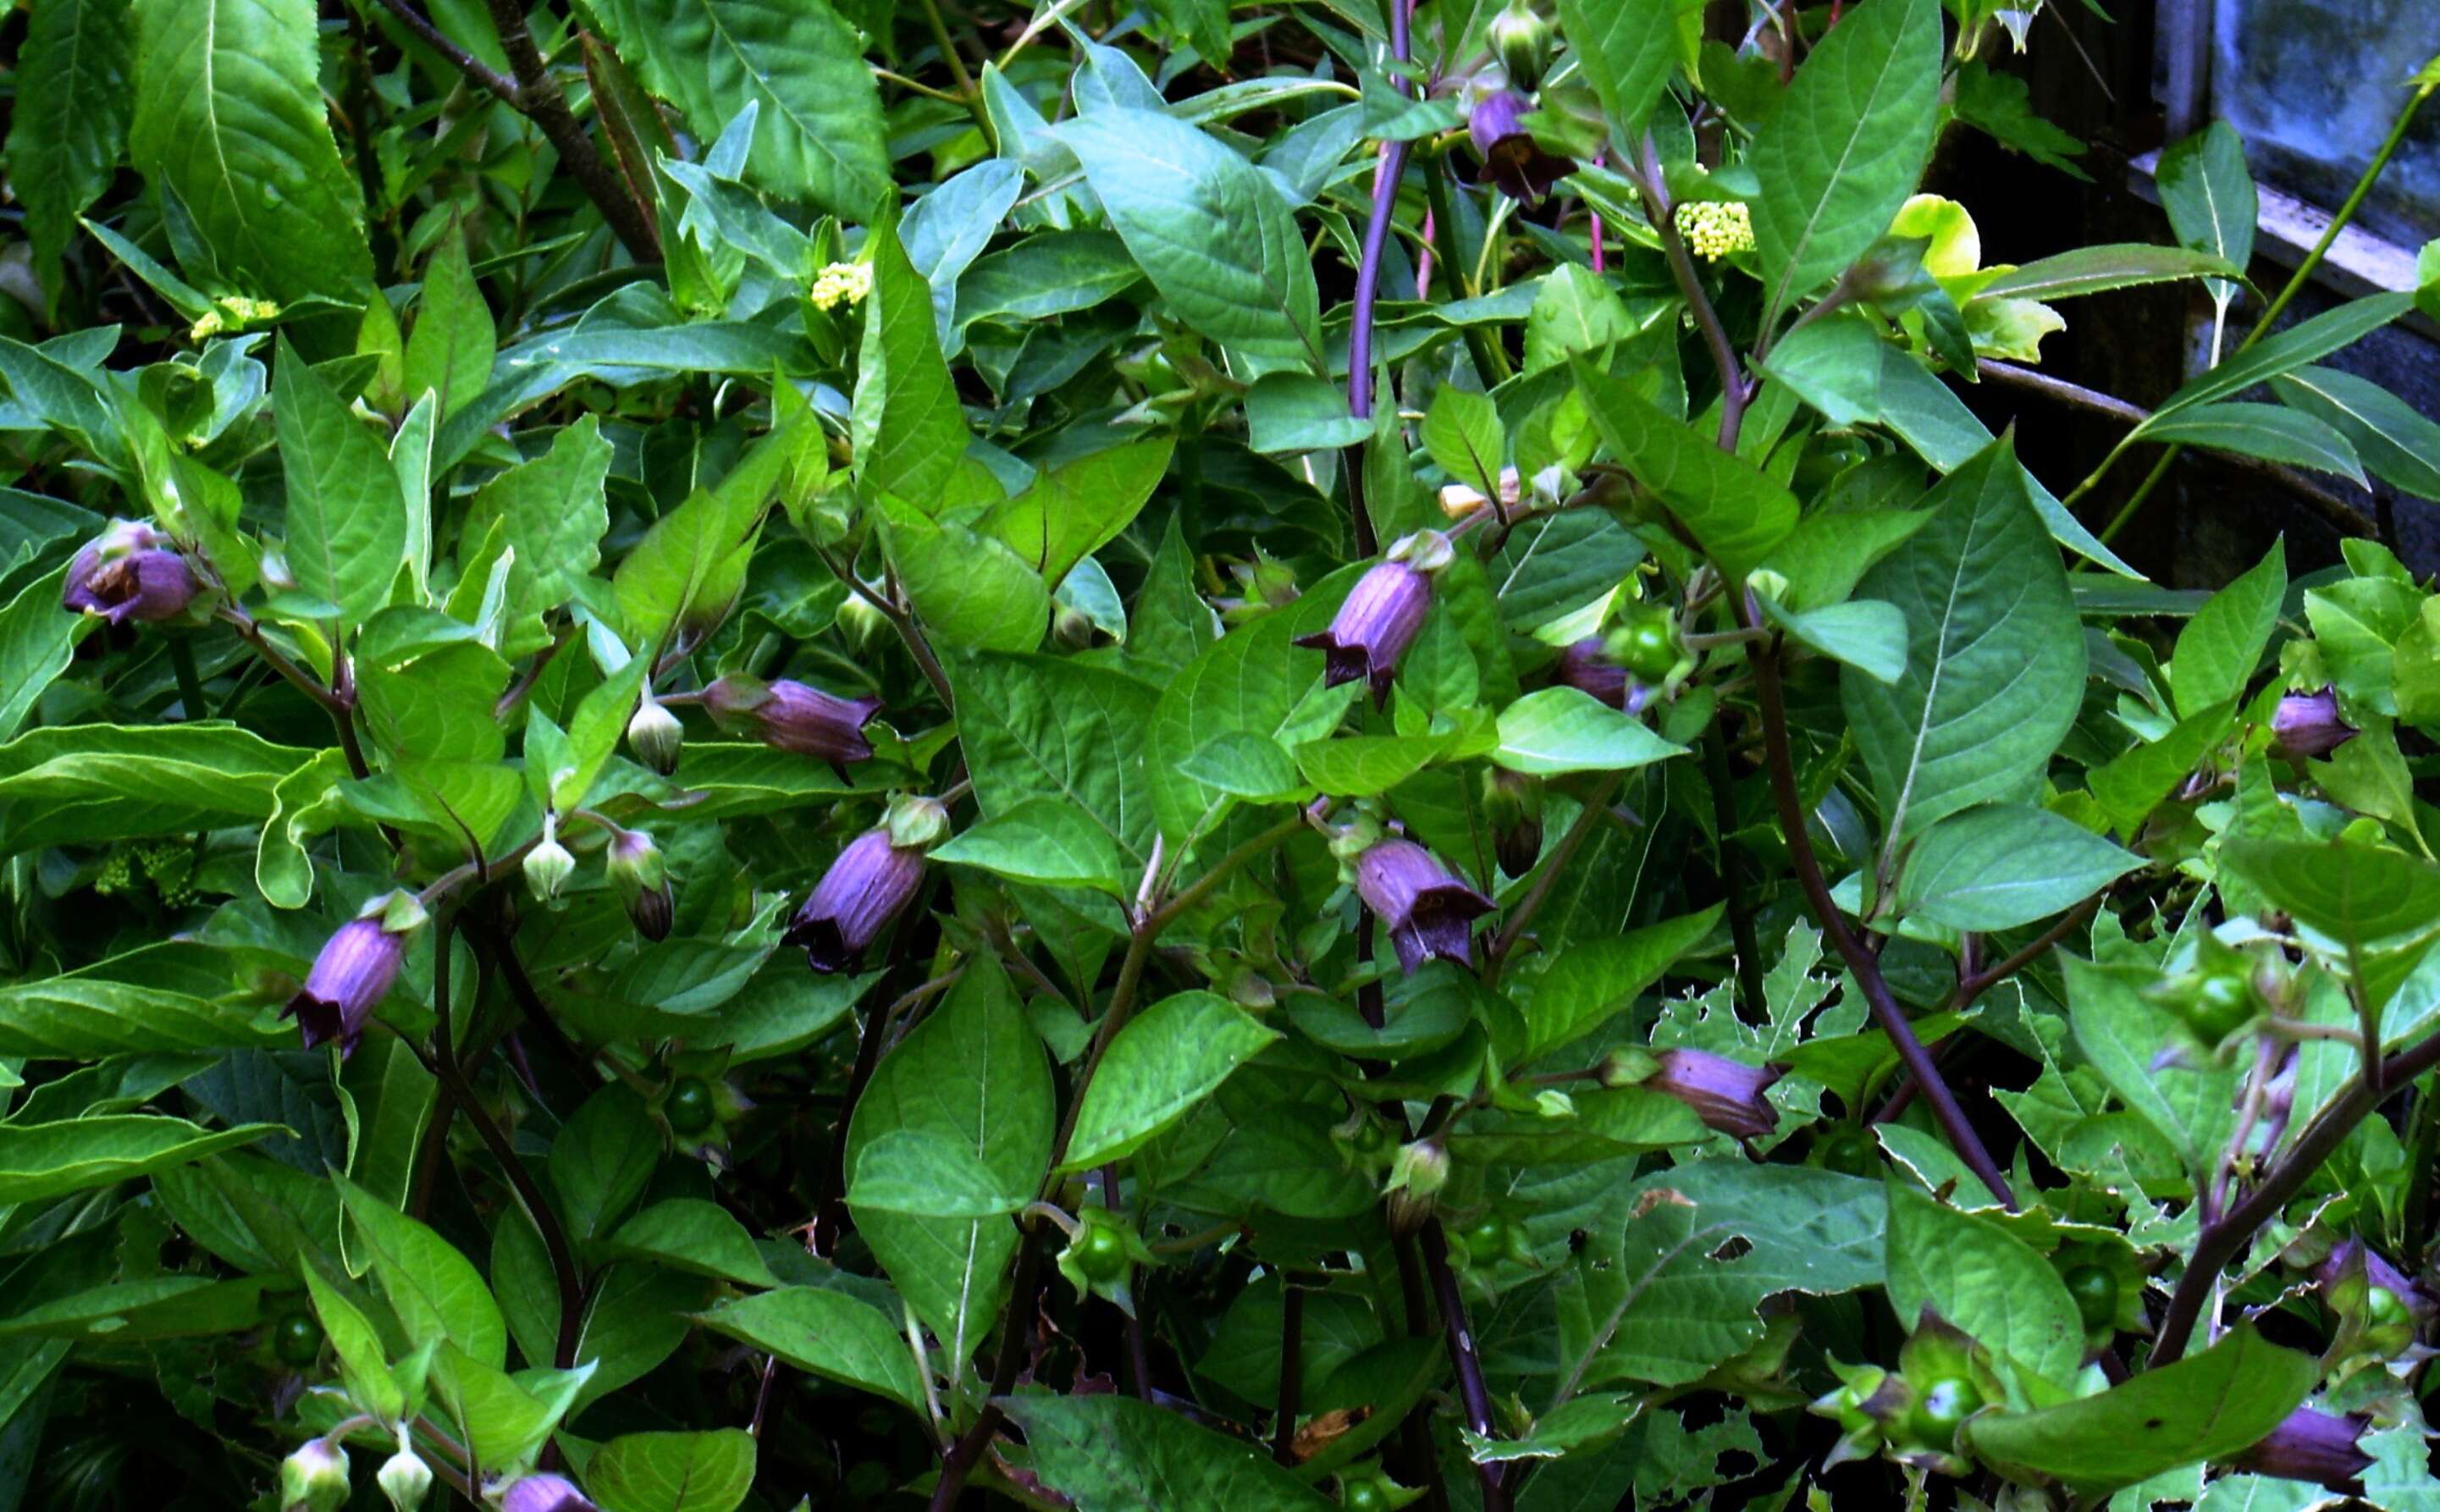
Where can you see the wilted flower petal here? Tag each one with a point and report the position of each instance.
(1426, 909)
(855, 901)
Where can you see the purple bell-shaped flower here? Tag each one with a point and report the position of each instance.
(1426, 908)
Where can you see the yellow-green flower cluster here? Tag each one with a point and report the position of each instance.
(235, 312)
(842, 282)
(1714, 229)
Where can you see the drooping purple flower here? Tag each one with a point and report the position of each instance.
(855, 900)
(2310, 1446)
(1584, 667)
(1373, 626)
(349, 979)
(546, 1493)
(1726, 1095)
(1511, 157)
(1426, 908)
(2308, 724)
(797, 718)
(129, 571)
(642, 880)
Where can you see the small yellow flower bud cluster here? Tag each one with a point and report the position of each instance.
(1714, 229)
(235, 312)
(842, 282)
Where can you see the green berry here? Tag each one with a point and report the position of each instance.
(1101, 1253)
(2095, 1291)
(690, 1106)
(1645, 643)
(1940, 1410)
(296, 1338)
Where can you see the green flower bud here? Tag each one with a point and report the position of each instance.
(1417, 1174)
(1522, 40)
(655, 736)
(548, 865)
(313, 1479)
(405, 1479)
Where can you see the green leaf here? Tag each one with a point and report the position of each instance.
(2004, 865)
(2272, 432)
(824, 1333)
(42, 1160)
(1975, 1275)
(1254, 681)
(974, 1072)
(450, 349)
(602, 1158)
(1590, 984)
(353, 1338)
(1553, 564)
(505, 1417)
(2133, 784)
(1046, 727)
(2397, 442)
(909, 432)
(1734, 510)
(673, 1472)
(1290, 411)
(1245, 765)
(1216, 238)
(551, 512)
(2120, 1033)
(437, 1292)
(2211, 200)
(2222, 644)
(1567, 729)
(1842, 153)
(1461, 431)
(37, 642)
(1113, 1454)
(85, 783)
(2304, 342)
(229, 118)
(919, 1174)
(690, 567)
(1625, 48)
(2096, 269)
(1864, 634)
(1996, 659)
(75, 95)
(2375, 900)
(691, 1234)
(347, 520)
(1074, 509)
(160, 999)
(1043, 840)
(1167, 1059)
(2206, 1407)
(818, 133)
(968, 589)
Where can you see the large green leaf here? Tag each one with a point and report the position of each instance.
(449, 352)
(1567, 729)
(160, 1000)
(1581, 989)
(673, 1472)
(968, 589)
(41, 1160)
(1973, 1274)
(2096, 269)
(1734, 510)
(1996, 659)
(974, 1075)
(2380, 902)
(2398, 443)
(75, 96)
(1844, 148)
(2272, 432)
(2206, 1407)
(550, 512)
(2220, 646)
(908, 431)
(1113, 1454)
(1167, 1059)
(2002, 865)
(347, 519)
(2306, 341)
(825, 1333)
(436, 1291)
(1074, 509)
(82, 783)
(1046, 727)
(2211, 200)
(818, 132)
(37, 642)
(1625, 48)
(229, 117)
(1215, 237)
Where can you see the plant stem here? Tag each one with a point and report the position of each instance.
(191, 704)
(1860, 961)
(477, 71)
(1734, 391)
(1291, 1370)
(1490, 365)
(529, 1193)
(1733, 878)
(2287, 293)
(2223, 1238)
(968, 1449)
(1974, 984)
(967, 93)
(1471, 1392)
(1596, 804)
(1423, 1464)
(1387, 174)
(539, 99)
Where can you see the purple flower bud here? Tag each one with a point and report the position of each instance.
(546, 1493)
(2353, 1255)
(1726, 1095)
(2310, 1446)
(643, 883)
(2309, 725)
(855, 900)
(798, 717)
(1426, 908)
(1373, 626)
(1586, 667)
(349, 979)
(1511, 157)
(129, 572)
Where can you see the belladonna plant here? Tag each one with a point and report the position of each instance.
(2311, 1446)
(129, 571)
(1426, 908)
(353, 972)
(1380, 616)
(795, 716)
(1726, 1095)
(872, 879)
(1511, 158)
(546, 1493)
